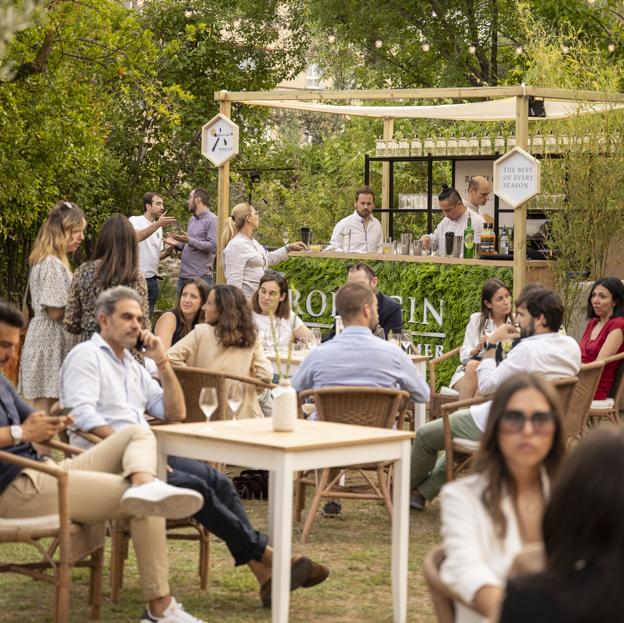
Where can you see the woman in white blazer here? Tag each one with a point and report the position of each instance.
(244, 258)
(495, 306)
(488, 517)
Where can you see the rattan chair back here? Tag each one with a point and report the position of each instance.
(577, 413)
(565, 389)
(192, 381)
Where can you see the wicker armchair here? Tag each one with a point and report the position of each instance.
(72, 545)
(576, 415)
(436, 399)
(363, 406)
(606, 410)
(193, 380)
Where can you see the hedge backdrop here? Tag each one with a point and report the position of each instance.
(452, 292)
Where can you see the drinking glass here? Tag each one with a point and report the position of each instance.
(488, 327)
(235, 399)
(315, 338)
(406, 341)
(285, 237)
(395, 338)
(208, 401)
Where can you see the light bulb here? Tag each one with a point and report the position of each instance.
(519, 50)
(472, 49)
(188, 13)
(236, 23)
(611, 47)
(426, 47)
(565, 49)
(331, 39)
(378, 43)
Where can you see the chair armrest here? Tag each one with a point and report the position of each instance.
(460, 404)
(47, 467)
(432, 363)
(90, 437)
(65, 448)
(249, 381)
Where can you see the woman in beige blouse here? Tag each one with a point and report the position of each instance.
(228, 342)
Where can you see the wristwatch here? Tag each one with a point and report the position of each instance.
(17, 432)
(490, 346)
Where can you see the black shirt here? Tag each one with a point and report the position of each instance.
(390, 316)
(13, 410)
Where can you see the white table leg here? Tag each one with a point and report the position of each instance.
(420, 413)
(400, 533)
(161, 465)
(272, 504)
(281, 529)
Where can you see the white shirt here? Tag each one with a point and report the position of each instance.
(475, 556)
(149, 248)
(283, 328)
(551, 355)
(245, 260)
(457, 227)
(363, 239)
(106, 391)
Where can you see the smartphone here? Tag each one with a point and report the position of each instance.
(140, 345)
(64, 411)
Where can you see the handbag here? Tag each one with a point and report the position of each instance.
(252, 484)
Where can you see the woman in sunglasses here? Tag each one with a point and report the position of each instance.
(489, 516)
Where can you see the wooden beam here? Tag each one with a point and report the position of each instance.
(578, 96)
(223, 199)
(520, 213)
(386, 199)
(368, 94)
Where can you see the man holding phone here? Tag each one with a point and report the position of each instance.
(114, 479)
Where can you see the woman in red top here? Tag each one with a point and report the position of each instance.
(604, 333)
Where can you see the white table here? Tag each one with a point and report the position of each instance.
(297, 357)
(312, 445)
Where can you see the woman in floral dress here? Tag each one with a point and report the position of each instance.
(115, 263)
(47, 342)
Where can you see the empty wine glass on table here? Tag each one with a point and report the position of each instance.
(406, 341)
(208, 401)
(235, 400)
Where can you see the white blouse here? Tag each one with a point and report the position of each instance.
(245, 260)
(284, 329)
(471, 340)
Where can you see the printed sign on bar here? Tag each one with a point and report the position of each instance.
(516, 177)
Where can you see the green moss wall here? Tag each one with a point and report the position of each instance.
(436, 298)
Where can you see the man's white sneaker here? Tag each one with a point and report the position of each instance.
(161, 500)
(175, 613)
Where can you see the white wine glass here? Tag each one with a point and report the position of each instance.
(406, 341)
(488, 327)
(315, 338)
(208, 401)
(235, 399)
(285, 237)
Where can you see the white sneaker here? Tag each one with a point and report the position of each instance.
(175, 613)
(161, 500)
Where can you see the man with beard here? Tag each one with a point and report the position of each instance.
(359, 232)
(541, 349)
(199, 244)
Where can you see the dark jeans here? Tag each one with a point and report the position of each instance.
(222, 512)
(152, 293)
(182, 281)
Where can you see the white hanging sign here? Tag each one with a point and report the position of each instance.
(219, 140)
(516, 177)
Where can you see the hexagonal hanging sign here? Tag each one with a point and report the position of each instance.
(219, 140)
(516, 177)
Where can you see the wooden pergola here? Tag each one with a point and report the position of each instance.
(520, 93)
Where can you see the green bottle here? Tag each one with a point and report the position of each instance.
(469, 241)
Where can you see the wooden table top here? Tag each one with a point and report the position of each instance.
(297, 356)
(259, 433)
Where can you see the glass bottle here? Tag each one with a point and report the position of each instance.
(550, 143)
(416, 147)
(511, 142)
(440, 146)
(469, 240)
(462, 145)
(499, 144)
(451, 146)
(538, 144)
(429, 146)
(473, 145)
(486, 145)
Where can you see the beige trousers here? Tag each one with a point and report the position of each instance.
(97, 480)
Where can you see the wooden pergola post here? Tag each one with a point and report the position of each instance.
(520, 213)
(386, 199)
(223, 193)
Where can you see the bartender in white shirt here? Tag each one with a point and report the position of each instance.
(455, 219)
(360, 232)
(479, 191)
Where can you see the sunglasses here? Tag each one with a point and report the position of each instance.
(273, 273)
(543, 422)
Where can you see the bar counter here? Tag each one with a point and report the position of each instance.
(437, 294)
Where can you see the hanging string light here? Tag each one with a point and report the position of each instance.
(331, 39)
(426, 47)
(519, 50)
(611, 48)
(378, 43)
(472, 48)
(565, 49)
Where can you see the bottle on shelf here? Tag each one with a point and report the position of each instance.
(429, 146)
(537, 144)
(462, 145)
(486, 145)
(511, 142)
(488, 240)
(380, 147)
(440, 146)
(499, 144)
(468, 240)
(416, 147)
(504, 243)
(451, 146)
(404, 148)
(473, 145)
(550, 143)
(563, 143)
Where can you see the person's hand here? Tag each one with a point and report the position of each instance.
(296, 246)
(426, 241)
(154, 348)
(180, 237)
(164, 220)
(480, 346)
(170, 241)
(504, 332)
(40, 427)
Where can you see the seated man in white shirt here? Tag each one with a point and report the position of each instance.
(455, 219)
(359, 232)
(109, 390)
(340, 361)
(542, 349)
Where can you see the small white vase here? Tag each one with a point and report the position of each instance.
(284, 407)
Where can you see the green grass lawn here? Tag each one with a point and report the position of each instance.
(355, 545)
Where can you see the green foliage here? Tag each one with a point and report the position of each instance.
(459, 287)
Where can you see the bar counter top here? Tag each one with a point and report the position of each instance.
(436, 259)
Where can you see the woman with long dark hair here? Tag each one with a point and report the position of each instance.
(228, 342)
(175, 323)
(489, 516)
(495, 306)
(583, 539)
(604, 332)
(46, 342)
(115, 262)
